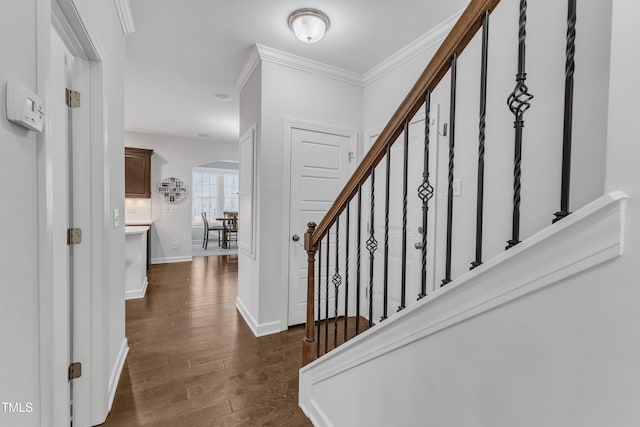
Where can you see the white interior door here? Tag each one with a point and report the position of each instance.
(70, 134)
(320, 167)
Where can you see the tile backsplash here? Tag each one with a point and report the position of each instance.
(137, 210)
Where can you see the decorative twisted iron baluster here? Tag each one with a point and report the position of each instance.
(570, 68)
(405, 191)
(346, 274)
(372, 245)
(326, 298)
(519, 103)
(452, 134)
(359, 240)
(337, 281)
(425, 193)
(481, 137)
(385, 264)
(319, 297)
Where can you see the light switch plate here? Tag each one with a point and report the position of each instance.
(457, 187)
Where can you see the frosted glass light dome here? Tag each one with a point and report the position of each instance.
(309, 25)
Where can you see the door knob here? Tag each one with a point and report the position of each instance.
(295, 237)
(418, 246)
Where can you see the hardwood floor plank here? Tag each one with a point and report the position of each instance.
(194, 362)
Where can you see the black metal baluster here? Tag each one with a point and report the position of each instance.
(385, 286)
(519, 103)
(570, 68)
(319, 297)
(425, 192)
(336, 280)
(359, 240)
(326, 300)
(405, 190)
(481, 138)
(452, 132)
(346, 275)
(372, 245)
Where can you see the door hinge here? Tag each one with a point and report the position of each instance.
(72, 98)
(74, 236)
(352, 155)
(75, 370)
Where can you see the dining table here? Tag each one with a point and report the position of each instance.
(228, 224)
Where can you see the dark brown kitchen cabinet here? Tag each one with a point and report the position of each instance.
(137, 172)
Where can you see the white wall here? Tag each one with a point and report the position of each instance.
(176, 157)
(541, 165)
(18, 247)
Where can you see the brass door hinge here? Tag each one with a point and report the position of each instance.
(74, 236)
(72, 98)
(75, 370)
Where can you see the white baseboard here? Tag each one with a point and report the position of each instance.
(169, 260)
(259, 330)
(116, 371)
(137, 293)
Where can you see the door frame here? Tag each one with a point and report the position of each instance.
(289, 125)
(54, 335)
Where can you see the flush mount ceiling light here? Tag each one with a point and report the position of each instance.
(309, 25)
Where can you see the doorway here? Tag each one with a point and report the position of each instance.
(71, 180)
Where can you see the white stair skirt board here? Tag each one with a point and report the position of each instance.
(116, 371)
(138, 293)
(584, 239)
(259, 330)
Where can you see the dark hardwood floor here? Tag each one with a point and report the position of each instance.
(194, 362)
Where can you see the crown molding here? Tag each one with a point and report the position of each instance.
(431, 38)
(279, 57)
(275, 56)
(248, 69)
(126, 17)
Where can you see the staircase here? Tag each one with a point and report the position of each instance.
(479, 337)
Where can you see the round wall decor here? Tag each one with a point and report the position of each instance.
(172, 190)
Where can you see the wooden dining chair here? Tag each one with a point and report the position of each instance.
(232, 226)
(208, 228)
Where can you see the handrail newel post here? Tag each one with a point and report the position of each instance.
(308, 351)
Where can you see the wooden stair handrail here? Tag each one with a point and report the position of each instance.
(461, 34)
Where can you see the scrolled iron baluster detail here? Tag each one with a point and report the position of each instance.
(425, 193)
(519, 102)
(372, 245)
(337, 281)
(570, 68)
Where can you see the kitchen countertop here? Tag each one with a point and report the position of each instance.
(127, 223)
(136, 229)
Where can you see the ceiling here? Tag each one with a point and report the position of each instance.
(185, 52)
